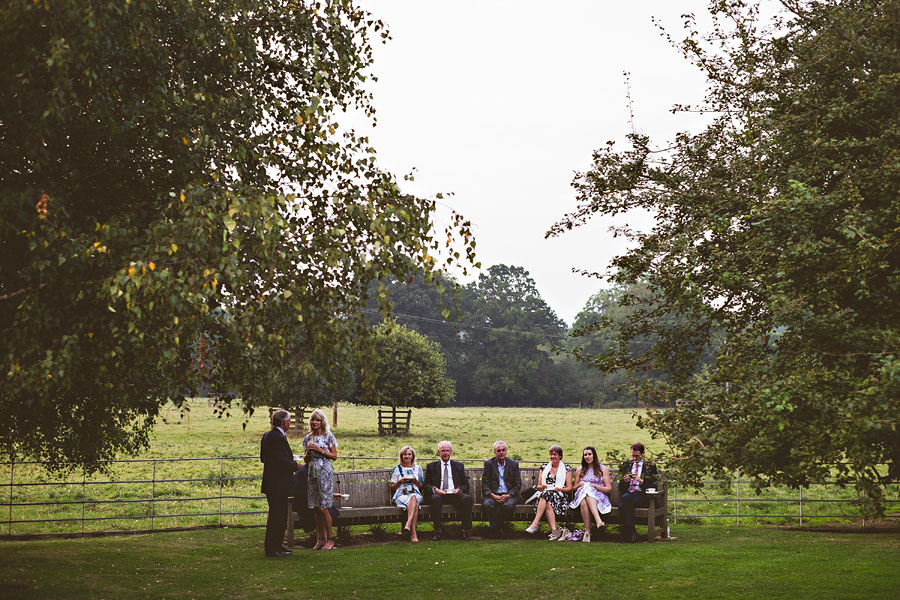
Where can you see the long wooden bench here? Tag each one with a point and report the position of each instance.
(370, 502)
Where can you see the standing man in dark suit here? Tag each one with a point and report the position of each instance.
(447, 483)
(635, 476)
(278, 468)
(501, 483)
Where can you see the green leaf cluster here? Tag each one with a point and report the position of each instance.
(778, 226)
(182, 210)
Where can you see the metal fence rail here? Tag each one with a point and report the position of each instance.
(24, 511)
(891, 504)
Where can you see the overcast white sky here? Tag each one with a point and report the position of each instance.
(501, 101)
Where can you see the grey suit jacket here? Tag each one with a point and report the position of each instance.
(490, 480)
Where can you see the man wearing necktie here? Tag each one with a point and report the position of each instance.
(446, 482)
(635, 476)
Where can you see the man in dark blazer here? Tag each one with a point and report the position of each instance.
(635, 476)
(446, 483)
(501, 483)
(278, 468)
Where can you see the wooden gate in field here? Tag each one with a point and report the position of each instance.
(393, 421)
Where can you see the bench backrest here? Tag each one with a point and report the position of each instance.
(371, 487)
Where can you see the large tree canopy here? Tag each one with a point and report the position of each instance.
(180, 207)
(509, 341)
(409, 368)
(779, 224)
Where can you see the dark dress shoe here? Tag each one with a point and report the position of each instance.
(633, 538)
(437, 536)
(279, 554)
(465, 533)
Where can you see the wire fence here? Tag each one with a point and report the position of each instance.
(159, 494)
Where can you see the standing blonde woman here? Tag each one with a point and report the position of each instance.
(407, 479)
(320, 446)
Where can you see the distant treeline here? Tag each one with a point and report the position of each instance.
(506, 347)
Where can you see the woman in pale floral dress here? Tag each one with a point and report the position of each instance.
(407, 479)
(551, 495)
(591, 488)
(320, 447)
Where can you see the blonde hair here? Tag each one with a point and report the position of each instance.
(404, 449)
(318, 413)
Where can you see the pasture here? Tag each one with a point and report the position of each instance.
(528, 431)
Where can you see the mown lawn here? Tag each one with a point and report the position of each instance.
(702, 562)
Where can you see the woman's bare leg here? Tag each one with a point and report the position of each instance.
(329, 536)
(413, 509)
(592, 504)
(585, 514)
(551, 516)
(320, 529)
(541, 509)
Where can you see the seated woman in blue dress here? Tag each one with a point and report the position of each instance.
(407, 479)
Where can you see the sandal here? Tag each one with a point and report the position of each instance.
(328, 541)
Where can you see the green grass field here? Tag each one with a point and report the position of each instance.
(703, 562)
(201, 487)
(529, 432)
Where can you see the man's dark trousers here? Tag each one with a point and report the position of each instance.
(499, 513)
(276, 523)
(627, 504)
(462, 503)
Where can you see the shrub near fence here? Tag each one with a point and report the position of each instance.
(169, 493)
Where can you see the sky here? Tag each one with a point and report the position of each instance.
(500, 103)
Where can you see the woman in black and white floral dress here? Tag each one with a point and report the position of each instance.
(551, 495)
